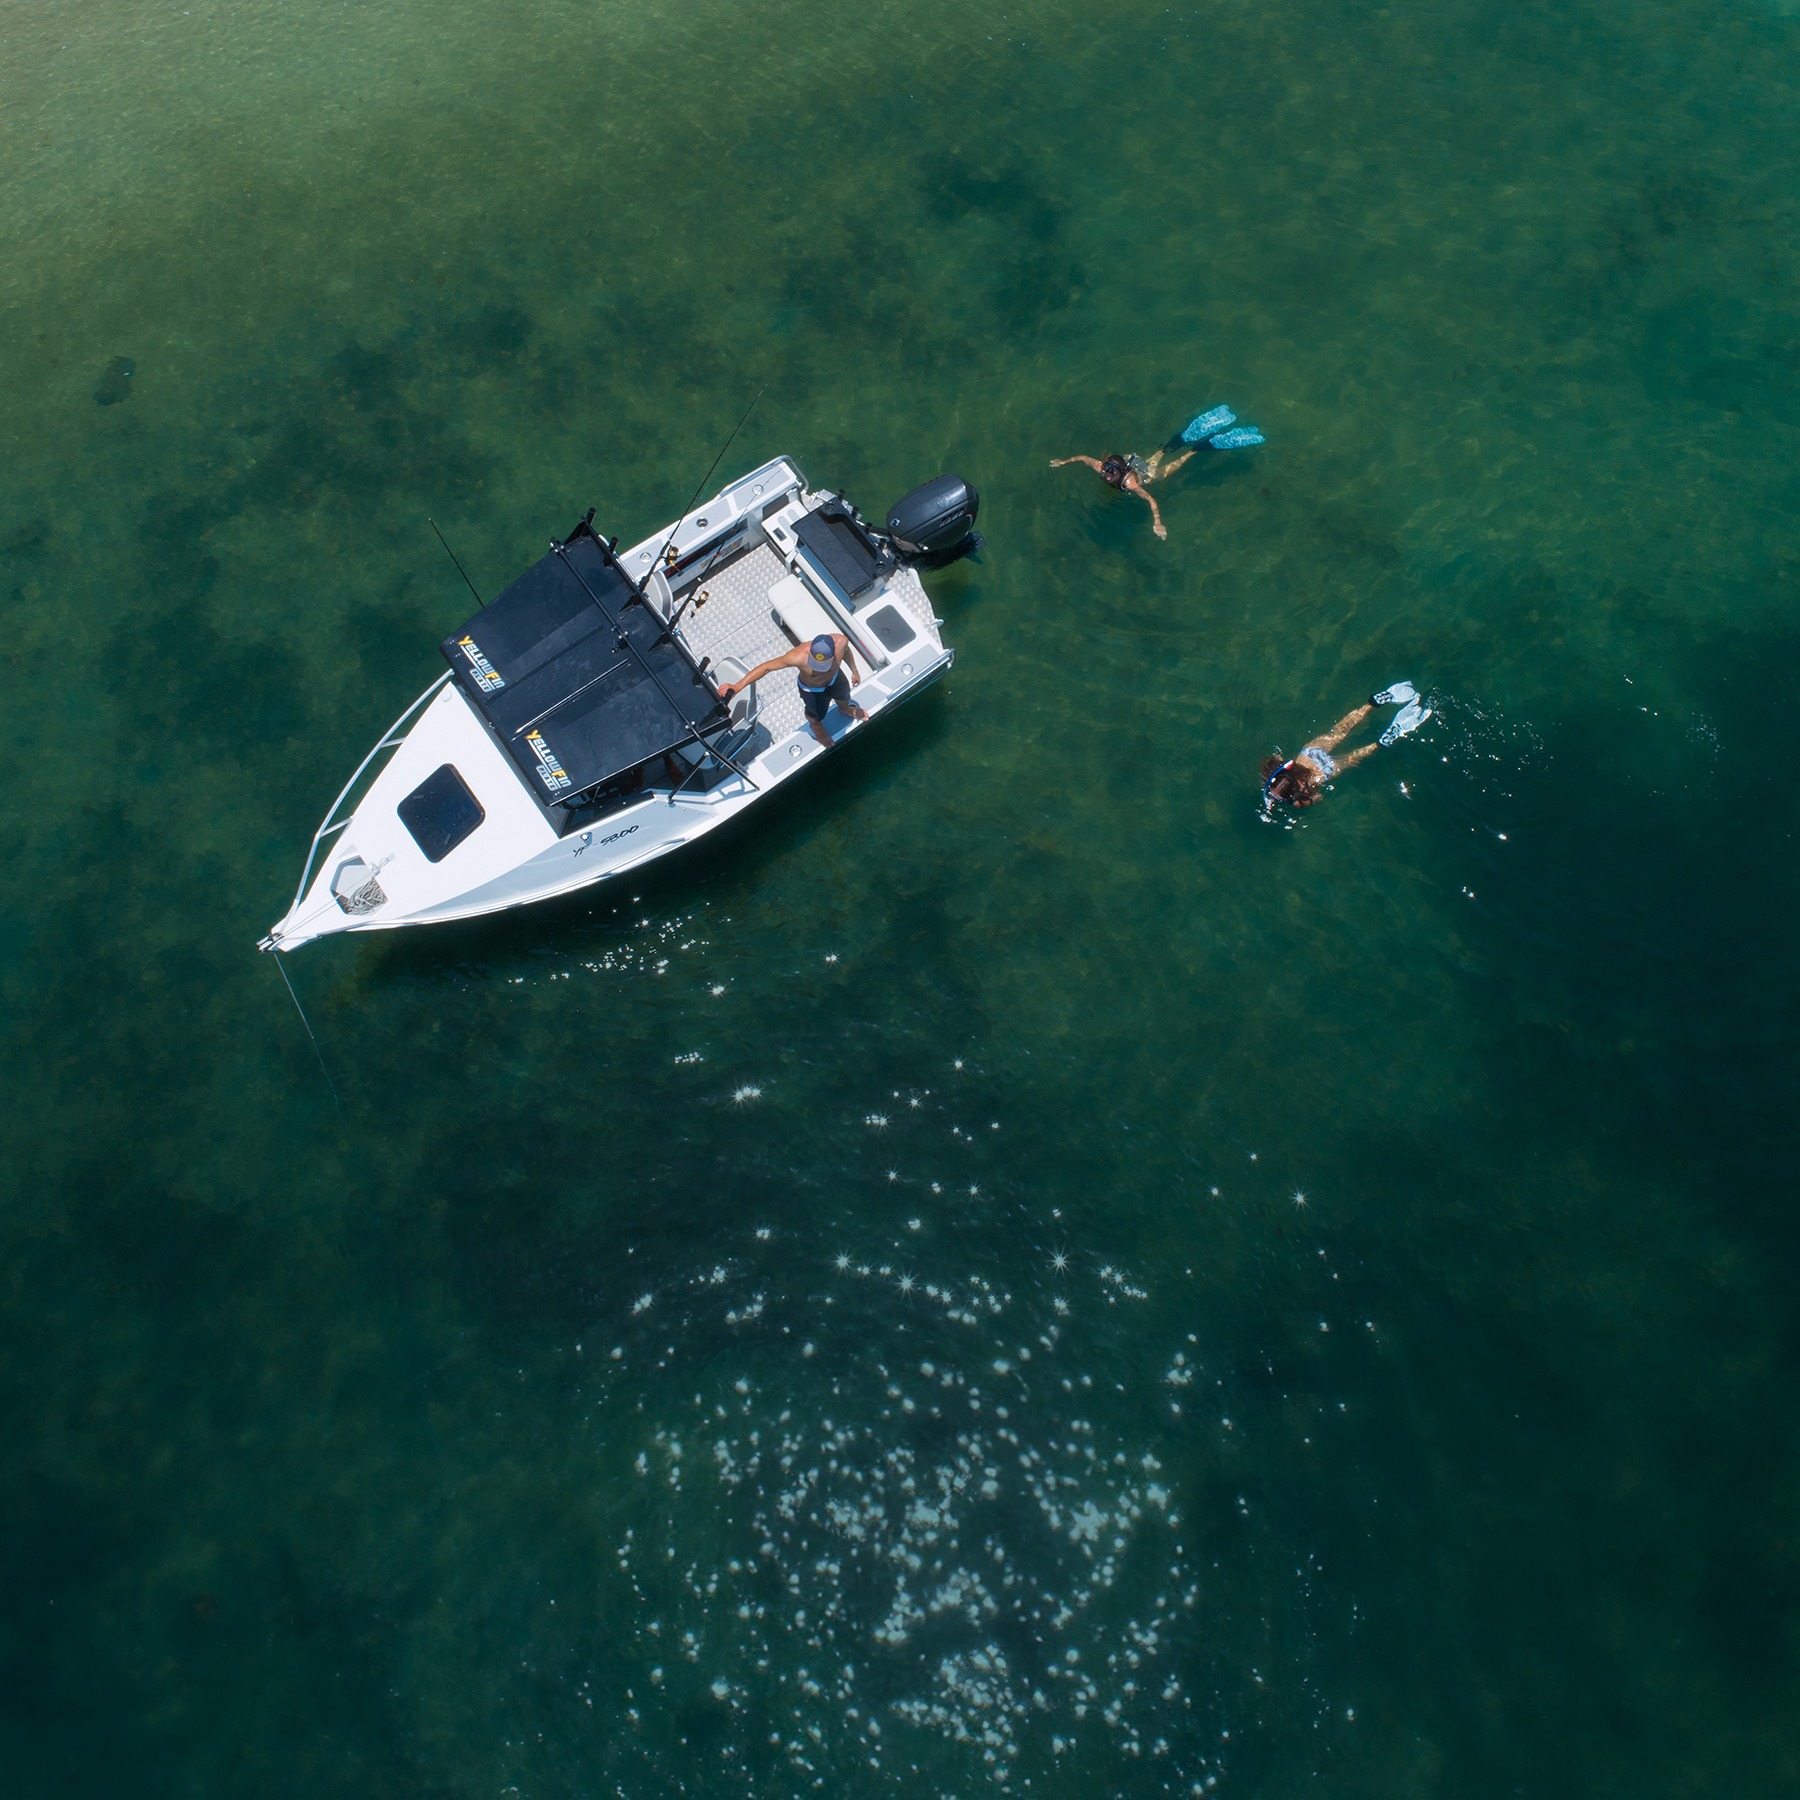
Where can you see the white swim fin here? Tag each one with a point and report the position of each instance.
(1397, 695)
(1408, 719)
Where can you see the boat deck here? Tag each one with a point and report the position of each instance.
(737, 620)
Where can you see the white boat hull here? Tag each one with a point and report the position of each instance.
(370, 873)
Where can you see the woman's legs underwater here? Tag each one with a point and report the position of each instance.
(1361, 754)
(1341, 730)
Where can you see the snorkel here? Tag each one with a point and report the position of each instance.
(1272, 773)
(1286, 784)
(1114, 470)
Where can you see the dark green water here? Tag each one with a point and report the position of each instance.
(1396, 1208)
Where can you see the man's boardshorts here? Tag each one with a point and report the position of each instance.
(818, 700)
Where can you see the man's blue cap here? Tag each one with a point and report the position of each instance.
(823, 648)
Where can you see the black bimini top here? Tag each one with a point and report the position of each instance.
(578, 678)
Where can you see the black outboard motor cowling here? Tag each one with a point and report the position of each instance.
(935, 524)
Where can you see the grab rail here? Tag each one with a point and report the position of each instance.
(388, 742)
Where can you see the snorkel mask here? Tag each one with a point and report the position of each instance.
(1269, 780)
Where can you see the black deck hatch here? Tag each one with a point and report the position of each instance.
(887, 624)
(843, 548)
(440, 812)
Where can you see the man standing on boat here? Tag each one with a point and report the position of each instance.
(823, 682)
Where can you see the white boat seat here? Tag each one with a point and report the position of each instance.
(803, 617)
(744, 705)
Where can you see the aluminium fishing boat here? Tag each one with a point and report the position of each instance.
(579, 731)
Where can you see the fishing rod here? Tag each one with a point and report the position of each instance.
(704, 479)
(464, 573)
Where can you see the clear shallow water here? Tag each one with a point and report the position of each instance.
(1413, 1405)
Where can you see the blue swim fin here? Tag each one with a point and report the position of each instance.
(1241, 439)
(1206, 424)
(1408, 719)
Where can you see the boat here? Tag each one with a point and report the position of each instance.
(579, 732)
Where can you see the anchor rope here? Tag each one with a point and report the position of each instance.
(320, 1054)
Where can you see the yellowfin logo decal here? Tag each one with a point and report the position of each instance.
(554, 776)
(487, 677)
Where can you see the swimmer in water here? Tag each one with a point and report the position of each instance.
(1134, 474)
(1131, 475)
(1301, 779)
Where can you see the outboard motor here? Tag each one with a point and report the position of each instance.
(935, 524)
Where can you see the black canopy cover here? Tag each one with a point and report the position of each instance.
(579, 682)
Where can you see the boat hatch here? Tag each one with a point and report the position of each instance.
(440, 812)
(843, 548)
(892, 627)
(579, 679)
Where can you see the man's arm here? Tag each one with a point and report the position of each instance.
(1057, 462)
(1144, 494)
(850, 658)
(792, 660)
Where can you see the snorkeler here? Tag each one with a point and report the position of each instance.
(1301, 779)
(1133, 474)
